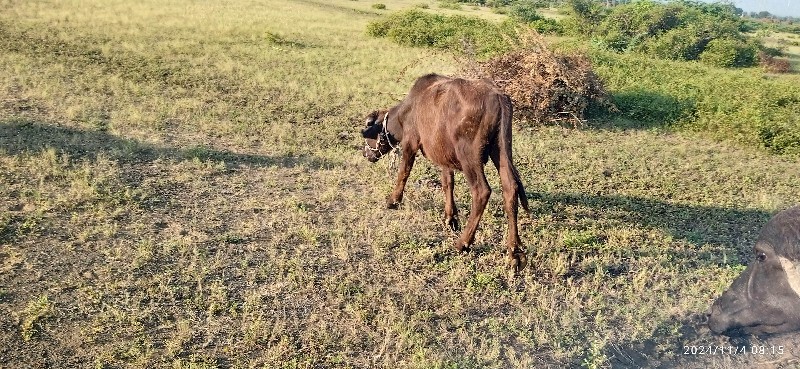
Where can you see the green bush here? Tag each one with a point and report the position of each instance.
(378, 6)
(781, 138)
(679, 30)
(677, 44)
(417, 28)
(584, 16)
(525, 11)
(630, 24)
(734, 105)
(547, 26)
(728, 53)
(651, 107)
(449, 5)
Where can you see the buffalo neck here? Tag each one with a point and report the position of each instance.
(393, 127)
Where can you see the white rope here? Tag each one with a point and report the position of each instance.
(383, 134)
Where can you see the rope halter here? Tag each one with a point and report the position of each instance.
(381, 136)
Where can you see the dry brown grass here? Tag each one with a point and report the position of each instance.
(772, 64)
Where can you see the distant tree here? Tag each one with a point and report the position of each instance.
(586, 16)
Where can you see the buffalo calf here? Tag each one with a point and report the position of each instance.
(457, 124)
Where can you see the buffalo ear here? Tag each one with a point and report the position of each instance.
(371, 118)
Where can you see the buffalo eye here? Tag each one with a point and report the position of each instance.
(761, 256)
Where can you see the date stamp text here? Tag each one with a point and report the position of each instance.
(733, 350)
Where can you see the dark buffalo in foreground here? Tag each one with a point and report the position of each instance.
(765, 298)
(457, 124)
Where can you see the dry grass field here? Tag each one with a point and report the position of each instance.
(181, 187)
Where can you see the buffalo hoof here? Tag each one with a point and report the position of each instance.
(453, 224)
(391, 204)
(517, 261)
(462, 246)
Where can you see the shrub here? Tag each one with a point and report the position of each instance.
(458, 33)
(449, 5)
(421, 5)
(585, 16)
(378, 6)
(677, 44)
(781, 138)
(547, 26)
(733, 105)
(676, 30)
(726, 53)
(651, 107)
(636, 22)
(525, 11)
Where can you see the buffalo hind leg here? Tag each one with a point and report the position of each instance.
(409, 155)
(480, 191)
(450, 210)
(516, 256)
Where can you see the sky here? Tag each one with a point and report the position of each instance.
(776, 7)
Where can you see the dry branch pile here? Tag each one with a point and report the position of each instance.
(545, 86)
(774, 65)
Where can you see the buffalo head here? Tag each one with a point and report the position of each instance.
(765, 298)
(376, 139)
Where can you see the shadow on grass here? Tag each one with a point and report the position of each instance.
(21, 135)
(735, 230)
(644, 109)
(696, 224)
(697, 347)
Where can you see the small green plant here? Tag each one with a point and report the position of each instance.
(579, 240)
(422, 5)
(273, 38)
(379, 6)
(483, 281)
(595, 358)
(36, 311)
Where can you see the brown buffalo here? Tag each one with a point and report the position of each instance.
(457, 124)
(765, 298)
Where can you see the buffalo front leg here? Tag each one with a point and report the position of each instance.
(409, 155)
(450, 210)
(516, 256)
(480, 191)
